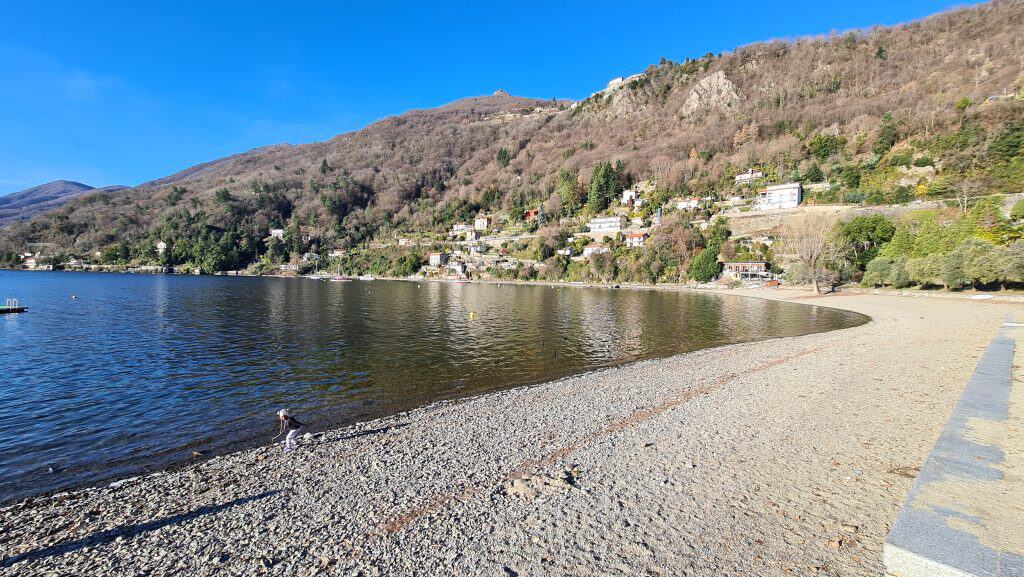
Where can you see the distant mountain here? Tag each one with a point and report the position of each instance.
(32, 201)
(23, 205)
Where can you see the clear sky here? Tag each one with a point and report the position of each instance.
(124, 92)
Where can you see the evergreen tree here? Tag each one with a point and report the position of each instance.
(814, 174)
(705, 267)
(503, 157)
(603, 187)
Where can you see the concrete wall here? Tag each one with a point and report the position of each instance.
(965, 513)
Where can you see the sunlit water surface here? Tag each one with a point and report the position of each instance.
(140, 371)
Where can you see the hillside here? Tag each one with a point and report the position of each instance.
(884, 116)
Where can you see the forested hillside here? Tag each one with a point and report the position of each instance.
(885, 116)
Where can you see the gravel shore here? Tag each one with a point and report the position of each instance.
(782, 457)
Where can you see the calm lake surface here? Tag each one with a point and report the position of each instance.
(140, 371)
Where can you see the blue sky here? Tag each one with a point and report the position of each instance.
(120, 93)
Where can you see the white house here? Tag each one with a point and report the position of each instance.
(277, 233)
(472, 235)
(609, 224)
(437, 258)
(787, 195)
(161, 247)
(632, 196)
(595, 249)
(748, 175)
(567, 251)
(636, 239)
(482, 222)
(461, 228)
(689, 203)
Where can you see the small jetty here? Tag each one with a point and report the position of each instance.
(12, 306)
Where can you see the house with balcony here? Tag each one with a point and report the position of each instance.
(636, 239)
(779, 196)
(610, 225)
(746, 270)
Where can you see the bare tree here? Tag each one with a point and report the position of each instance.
(810, 239)
(965, 192)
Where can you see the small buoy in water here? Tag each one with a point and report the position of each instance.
(74, 297)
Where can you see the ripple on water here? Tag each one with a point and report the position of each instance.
(141, 370)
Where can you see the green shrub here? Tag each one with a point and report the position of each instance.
(1017, 212)
(901, 158)
(503, 157)
(887, 137)
(854, 197)
(1009, 143)
(871, 161)
(877, 272)
(813, 174)
(924, 161)
(823, 146)
(705, 267)
(925, 270)
(898, 276)
(850, 176)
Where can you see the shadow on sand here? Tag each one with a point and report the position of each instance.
(129, 531)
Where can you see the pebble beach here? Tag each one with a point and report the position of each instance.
(781, 457)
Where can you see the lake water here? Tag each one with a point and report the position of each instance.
(140, 371)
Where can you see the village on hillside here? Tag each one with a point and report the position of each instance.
(487, 247)
(506, 245)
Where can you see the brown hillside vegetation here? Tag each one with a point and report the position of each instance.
(936, 91)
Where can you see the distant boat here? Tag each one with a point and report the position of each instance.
(366, 277)
(338, 279)
(12, 306)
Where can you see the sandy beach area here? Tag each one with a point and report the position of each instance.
(782, 457)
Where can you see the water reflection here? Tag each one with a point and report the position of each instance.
(141, 370)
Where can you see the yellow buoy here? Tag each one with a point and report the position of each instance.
(472, 315)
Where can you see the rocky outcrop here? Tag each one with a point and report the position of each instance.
(713, 93)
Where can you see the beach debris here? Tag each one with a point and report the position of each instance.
(122, 482)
